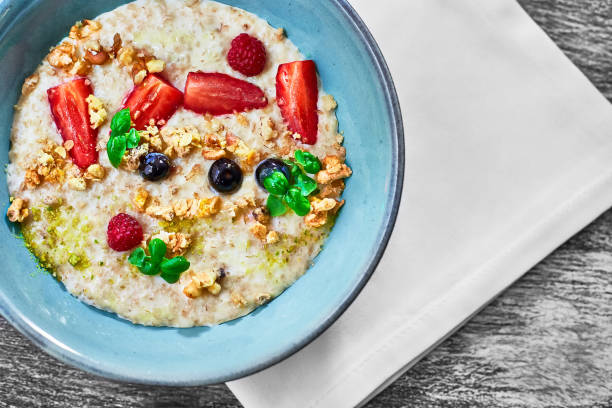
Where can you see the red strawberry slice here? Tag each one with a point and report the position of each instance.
(71, 115)
(154, 98)
(219, 94)
(297, 93)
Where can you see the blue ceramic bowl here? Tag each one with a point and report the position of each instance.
(353, 70)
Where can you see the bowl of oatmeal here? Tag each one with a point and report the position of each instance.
(185, 179)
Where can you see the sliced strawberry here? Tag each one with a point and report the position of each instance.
(154, 98)
(219, 94)
(297, 93)
(71, 115)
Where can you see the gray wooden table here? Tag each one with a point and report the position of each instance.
(547, 341)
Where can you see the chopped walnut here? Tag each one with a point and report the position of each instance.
(97, 112)
(139, 199)
(333, 169)
(32, 179)
(158, 211)
(272, 237)
(328, 103)
(214, 147)
(267, 129)
(81, 68)
(126, 55)
(198, 281)
(60, 151)
(140, 76)
(84, 29)
(62, 56)
(262, 298)
(259, 231)
(176, 242)
(237, 299)
(319, 211)
(131, 159)
(77, 183)
(209, 207)
(155, 65)
(18, 210)
(179, 141)
(332, 190)
(261, 215)
(29, 84)
(94, 172)
(50, 166)
(152, 136)
(213, 154)
(236, 146)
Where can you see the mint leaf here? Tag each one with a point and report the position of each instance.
(132, 139)
(296, 201)
(309, 161)
(121, 122)
(157, 249)
(115, 149)
(276, 206)
(137, 257)
(305, 184)
(276, 183)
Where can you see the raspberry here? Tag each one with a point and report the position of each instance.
(247, 55)
(123, 232)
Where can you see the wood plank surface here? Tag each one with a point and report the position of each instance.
(545, 342)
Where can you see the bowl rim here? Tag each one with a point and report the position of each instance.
(65, 354)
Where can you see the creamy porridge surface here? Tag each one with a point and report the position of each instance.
(239, 256)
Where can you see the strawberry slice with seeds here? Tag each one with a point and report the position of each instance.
(70, 112)
(220, 94)
(154, 98)
(297, 93)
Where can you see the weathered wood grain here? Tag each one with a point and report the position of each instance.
(545, 342)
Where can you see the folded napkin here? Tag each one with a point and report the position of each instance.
(509, 153)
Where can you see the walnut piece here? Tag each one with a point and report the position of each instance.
(97, 112)
(62, 56)
(94, 172)
(155, 65)
(18, 211)
(77, 183)
(180, 141)
(140, 199)
(158, 211)
(176, 242)
(333, 169)
(319, 211)
(199, 281)
(29, 84)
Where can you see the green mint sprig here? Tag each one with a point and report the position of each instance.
(284, 193)
(157, 262)
(121, 137)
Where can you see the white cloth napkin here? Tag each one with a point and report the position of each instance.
(509, 153)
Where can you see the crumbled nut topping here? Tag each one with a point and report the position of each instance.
(131, 158)
(159, 211)
(84, 29)
(51, 166)
(180, 141)
(139, 199)
(248, 157)
(267, 129)
(18, 210)
(77, 183)
(332, 190)
(197, 282)
(29, 84)
(94, 172)
(262, 298)
(155, 65)
(259, 231)
(62, 56)
(237, 299)
(272, 237)
(97, 112)
(176, 242)
(333, 169)
(320, 209)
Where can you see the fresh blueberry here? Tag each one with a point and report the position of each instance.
(269, 166)
(225, 176)
(154, 166)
